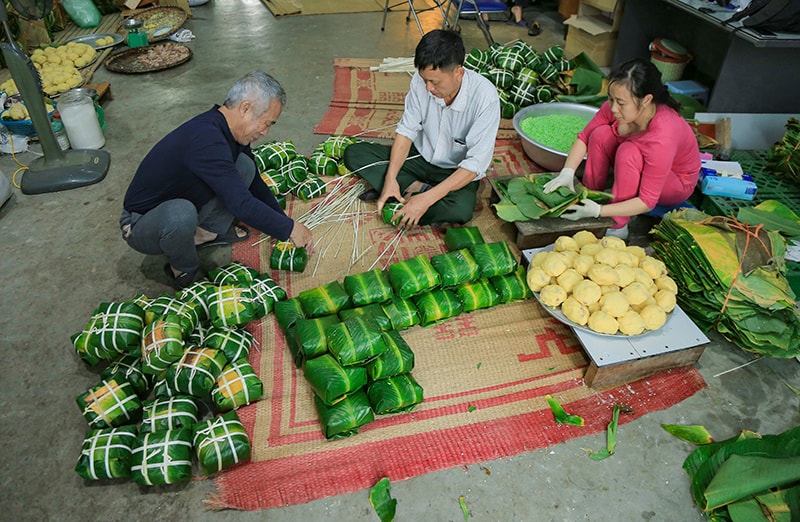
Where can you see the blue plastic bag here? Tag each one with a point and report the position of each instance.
(83, 12)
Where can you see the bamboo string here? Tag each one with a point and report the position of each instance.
(739, 367)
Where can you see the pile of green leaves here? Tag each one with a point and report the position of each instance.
(784, 156)
(749, 477)
(731, 277)
(523, 198)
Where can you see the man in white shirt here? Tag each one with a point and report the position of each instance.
(444, 142)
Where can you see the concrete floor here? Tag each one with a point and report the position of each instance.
(62, 255)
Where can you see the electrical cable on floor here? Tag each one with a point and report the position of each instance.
(14, 157)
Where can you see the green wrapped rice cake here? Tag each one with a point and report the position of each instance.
(477, 295)
(389, 213)
(276, 182)
(324, 300)
(162, 457)
(234, 273)
(294, 348)
(196, 372)
(267, 292)
(197, 293)
(170, 413)
(437, 306)
(413, 276)
(233, 306)
(286, 256)
(456, 267)
(221, 442)
(237, 385)
(395, 394)
(116, 328)
(109, 404)
(310, 335)
(167, 304)
(295, 172)
(163, 390)
(512, 287)
(402, 313)
(494, 258)
(332, 382)
(312, 187)
(334, 146)
(373, 311)
(322, 165)
(398, 358)
(288, 313)
(234, 344)
(162, 344)
(106, 453)
(344, 418)
(273, 155)
(368, 287)
(355, 341)
(462, 237)
(129, 368)
(198, 335)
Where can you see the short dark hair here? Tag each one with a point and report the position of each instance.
(642, 77)
(440, 49)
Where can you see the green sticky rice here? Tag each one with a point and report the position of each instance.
(556, 131)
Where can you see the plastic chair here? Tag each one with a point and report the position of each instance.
(414, 12)
(477, 8)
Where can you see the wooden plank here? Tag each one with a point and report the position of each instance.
(613, 375)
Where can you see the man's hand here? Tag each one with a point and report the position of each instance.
(413, 210)
(301, 237)
(585, 209)
(565, 178)
(391, 189)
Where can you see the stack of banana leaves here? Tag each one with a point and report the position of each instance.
(523, 198)
(731, 277)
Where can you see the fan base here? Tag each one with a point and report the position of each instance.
(77, 168)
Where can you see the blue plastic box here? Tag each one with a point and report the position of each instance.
(690, 88)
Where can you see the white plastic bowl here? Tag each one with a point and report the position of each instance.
(550, 159)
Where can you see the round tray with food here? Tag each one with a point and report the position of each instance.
(149, 58)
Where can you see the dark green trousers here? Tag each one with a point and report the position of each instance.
(455, 207)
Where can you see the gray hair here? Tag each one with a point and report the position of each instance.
(257, 87)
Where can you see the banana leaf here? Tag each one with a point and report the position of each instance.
(233, 306)
(162, 457)
(196, 371)
(196, 294)
(221, 442)
(324, 300)
(129, 368)
(512, 287)
(166, 304)
(456, 238)
(310, 335)
(763, 473)
(773, 215)
(495, 259)
(368, 287)
(162, 344)
(534, 185)
(381, 500)
(237, 386)
(561, 416)
(344, 418)
(396, 394)
(234, 344)
(267, 291)
(777, 506)
(288, 313)
(234, 273)
(355, 341)
(413, 276)
(160, 414)
(331, 381)
(109, 404)
(691, 434)
(286, 256)
(374, 311)
(401, 313)
(437, 306)
(455, 267)
(106, 453)
(398, 358)
(477, 295)
(508, 211)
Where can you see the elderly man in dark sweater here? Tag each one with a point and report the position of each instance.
(197, 179)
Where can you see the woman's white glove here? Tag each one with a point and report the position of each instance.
(565, 178)
(585, 209)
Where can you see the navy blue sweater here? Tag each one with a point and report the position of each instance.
(196, 162)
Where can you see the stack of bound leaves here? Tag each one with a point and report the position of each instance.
(784, 156)
(523, 198)
(188, 354)
(731, 277)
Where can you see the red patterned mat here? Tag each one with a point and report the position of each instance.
(485, 375)
(370, 103)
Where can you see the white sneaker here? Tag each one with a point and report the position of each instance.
(621, 232)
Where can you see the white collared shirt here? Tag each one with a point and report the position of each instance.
(459, 135)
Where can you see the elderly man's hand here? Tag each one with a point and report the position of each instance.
(391, 189)
(413, 210)
(301, 237)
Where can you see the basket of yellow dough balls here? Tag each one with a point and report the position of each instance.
(603, 286)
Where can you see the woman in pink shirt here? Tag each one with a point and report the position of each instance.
(639, 133)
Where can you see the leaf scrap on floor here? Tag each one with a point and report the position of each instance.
(611, 436)
(479, 366)
(381, 500)
(560, 415)
(463, 503)
(692, 434)
(471, 408)
(485, 470)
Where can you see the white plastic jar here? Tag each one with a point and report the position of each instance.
(80, 119)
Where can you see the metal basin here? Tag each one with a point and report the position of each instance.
(549, 159)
